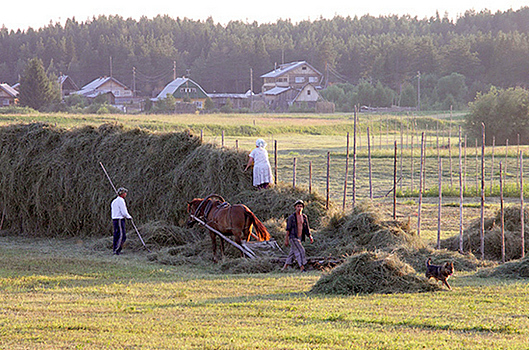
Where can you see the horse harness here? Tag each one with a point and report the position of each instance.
(209, 207)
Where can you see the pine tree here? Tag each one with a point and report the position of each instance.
(36, 89)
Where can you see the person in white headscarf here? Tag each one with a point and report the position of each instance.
(262, 171)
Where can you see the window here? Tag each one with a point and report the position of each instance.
(313, 79)
(308, 92)
(300, 80)
(303, 68)
(187, 90)
(198, 104)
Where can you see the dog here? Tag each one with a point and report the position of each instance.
(440, 272)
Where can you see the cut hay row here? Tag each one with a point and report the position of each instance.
(52, 183)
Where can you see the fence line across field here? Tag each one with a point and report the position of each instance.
(350, 195)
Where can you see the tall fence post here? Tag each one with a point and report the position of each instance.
(354, 158)
(502, 216)
(310, 176)
(346, 173)
(275, 162)
(294, 173)
(492, 164)
(461, 189)
(440, 173)
(482, 226)
(369, 163)
(395, 184)
(420, 187)
(328, 179)
(522, 210)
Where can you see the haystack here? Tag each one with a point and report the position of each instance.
(52, 183)
(362, 229)
(492, 236)
(371, 272)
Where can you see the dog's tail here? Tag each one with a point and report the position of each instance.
(428, 261)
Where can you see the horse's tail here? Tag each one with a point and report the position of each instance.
(261, 230)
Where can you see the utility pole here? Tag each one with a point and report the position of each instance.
(419, 90)
(133, 81)
(174, 70)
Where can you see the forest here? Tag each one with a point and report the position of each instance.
(448, 60)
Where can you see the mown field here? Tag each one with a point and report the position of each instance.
(63, 294)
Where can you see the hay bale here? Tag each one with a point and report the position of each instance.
(370, 272)
(492, 236)
(513, 269)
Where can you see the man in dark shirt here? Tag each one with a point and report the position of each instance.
(297, 230)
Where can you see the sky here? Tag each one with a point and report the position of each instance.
(37, 13)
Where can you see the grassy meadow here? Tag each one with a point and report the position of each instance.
(63, 294)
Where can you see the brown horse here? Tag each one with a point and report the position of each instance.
(236, 220)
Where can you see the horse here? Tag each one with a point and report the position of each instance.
(236, 220)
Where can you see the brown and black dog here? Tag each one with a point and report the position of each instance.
(440, 272)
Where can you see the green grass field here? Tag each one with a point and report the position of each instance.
(62, 294)
(59, 294)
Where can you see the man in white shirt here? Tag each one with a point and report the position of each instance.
(119, 214)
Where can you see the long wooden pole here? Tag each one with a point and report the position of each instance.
(522, 210)
(440, 172)
(294, 173)
(420, 187)
(502, 216)
(395, 184)
(482, 226)
(346, 174)
(461, 189)
(354, 159)
(369, 162)
(328, 179)
(275, 162)
(492, 164)
(310, 176)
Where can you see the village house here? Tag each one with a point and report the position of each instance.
(184, 90)
(8, 95)
(66, 85)
(105, 85)
(292, 85)
(294, 75)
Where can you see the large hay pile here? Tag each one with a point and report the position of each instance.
(362, 229)
(371, 272)
(492, 236)
(51, 182)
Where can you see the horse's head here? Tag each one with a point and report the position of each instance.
(192, 207)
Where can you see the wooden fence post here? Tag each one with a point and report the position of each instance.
(492, 165)
(502, 216)
(222, 143)
(420, 187)
(275, 162)
(310, 177)
(440, 173)
(369, 163)
(395, 184)
(482, 227)
(237, 144)
(328, 179)
(522, 210)
(294, 173)
(354, 159)
(461, 189)
(346, 173)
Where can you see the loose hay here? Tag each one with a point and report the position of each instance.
(492, 236)
(370, 272)
(517, 269)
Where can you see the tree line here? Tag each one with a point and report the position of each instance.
(451, 60)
